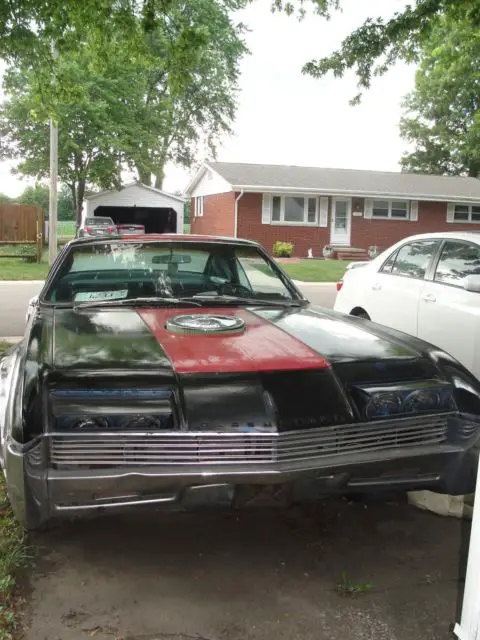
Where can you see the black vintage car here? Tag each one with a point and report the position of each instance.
(183, 371)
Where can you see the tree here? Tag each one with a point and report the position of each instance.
(118, 109)
(89, 134)
(443, 112)
(40, 194)
(28, 26)
(369, 50)
(182, 118)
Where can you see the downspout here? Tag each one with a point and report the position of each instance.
(235, 221)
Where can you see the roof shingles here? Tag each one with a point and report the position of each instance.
(348, 181)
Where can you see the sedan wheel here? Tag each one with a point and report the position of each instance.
(360, 313)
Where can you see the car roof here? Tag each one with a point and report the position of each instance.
(473, 236)
(166, 237)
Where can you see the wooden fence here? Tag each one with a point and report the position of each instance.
(21, 224)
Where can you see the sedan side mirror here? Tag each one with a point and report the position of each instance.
(472, 283)
(32, 303)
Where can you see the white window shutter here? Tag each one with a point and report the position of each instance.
(368, 208)
(323, 212)
(414, 210)
(451, 212)
(266, 208)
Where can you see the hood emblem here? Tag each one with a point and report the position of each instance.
(205, 324)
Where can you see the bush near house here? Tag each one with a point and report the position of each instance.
(283, 249)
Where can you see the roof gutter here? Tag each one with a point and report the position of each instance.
(358, 193)
(235, 221)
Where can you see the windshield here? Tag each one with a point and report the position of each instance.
(124, 271)
(102, 221)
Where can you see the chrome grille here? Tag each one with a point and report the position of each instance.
(188, 448)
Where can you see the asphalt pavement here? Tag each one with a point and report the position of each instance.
(14, 297)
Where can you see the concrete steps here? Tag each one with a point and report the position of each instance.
(351, 254)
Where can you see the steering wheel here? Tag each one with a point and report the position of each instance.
(232, 289)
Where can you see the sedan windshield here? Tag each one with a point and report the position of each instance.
(98, 221)
(128, 271)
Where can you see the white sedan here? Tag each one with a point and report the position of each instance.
(426, 285)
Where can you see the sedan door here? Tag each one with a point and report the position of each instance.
(394, 291)
(449, 316)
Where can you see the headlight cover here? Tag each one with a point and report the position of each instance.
(406, 399)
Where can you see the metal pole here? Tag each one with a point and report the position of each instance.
(469, 627)
(52, 208)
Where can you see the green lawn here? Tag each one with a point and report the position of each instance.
(18, 269)
(315, 270)
(14, 556)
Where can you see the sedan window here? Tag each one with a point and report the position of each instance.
(413, 259)
(457, 261)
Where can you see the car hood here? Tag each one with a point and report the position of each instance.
(272, 339)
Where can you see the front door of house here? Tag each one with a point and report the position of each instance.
(340, 224)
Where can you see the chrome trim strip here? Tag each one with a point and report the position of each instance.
(170, 449)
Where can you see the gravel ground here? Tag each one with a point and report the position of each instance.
(263, 575)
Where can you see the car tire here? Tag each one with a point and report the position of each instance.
(360, 313)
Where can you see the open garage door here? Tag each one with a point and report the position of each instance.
(154, 219)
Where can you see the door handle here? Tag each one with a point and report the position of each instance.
(377, 286)
(429, 298)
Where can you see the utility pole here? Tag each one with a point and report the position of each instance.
(52, 208)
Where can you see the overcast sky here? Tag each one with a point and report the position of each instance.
(286, 118)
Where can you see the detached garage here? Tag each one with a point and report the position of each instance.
(137, 203)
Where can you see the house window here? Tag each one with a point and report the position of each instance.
(395, 209)
(294, 210)
(198, 206)
(466, 213)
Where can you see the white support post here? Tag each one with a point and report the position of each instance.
(469, 627)
(52, 208)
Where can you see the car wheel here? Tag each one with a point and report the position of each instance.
(360, 313)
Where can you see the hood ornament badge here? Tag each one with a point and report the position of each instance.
(205, 324)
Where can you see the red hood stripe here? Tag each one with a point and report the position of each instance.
(261, 347)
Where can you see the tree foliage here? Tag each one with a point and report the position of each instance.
(27, 25)
(40, 194)
(443, 112)
(122, 106)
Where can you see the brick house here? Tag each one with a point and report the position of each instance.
(314, 207)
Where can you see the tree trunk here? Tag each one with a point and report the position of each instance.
(159, 177)
(144, 176)
(80, 196)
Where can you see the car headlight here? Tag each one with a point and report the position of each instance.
(430, 396)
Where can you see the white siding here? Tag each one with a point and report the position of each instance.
(135, 195)
(211, 183)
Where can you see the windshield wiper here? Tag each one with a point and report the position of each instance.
(132, 302)
(258, 302)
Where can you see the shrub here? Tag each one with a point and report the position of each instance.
(282, 249)
(28, 253)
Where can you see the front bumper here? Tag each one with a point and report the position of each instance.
(72, 475)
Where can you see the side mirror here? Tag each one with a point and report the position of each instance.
(472, 283)
(32, 303)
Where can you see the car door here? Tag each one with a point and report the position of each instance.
(394, 291)
(449, 316)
